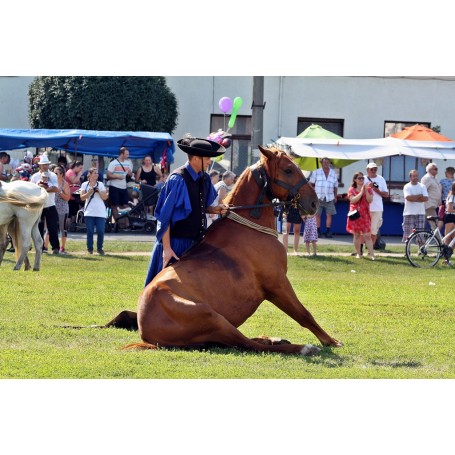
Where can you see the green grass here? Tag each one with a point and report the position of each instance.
(394, 324)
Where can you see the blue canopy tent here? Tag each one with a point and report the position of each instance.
(88, 142)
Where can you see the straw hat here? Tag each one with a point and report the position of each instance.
(44, 159)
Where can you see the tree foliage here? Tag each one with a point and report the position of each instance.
(110, 103)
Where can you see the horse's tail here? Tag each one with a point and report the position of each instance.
(15, 233)
(140, 346)
(25, 200)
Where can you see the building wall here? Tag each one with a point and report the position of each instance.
(14, 101)
(364, 103)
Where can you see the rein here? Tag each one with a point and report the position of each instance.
(274, 203)
(239, 219)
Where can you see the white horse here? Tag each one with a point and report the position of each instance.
(21, 205)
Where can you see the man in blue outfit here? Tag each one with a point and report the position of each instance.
(183, 203)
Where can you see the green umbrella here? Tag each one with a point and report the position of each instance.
(317, 132)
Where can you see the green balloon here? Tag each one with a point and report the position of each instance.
(235, 109)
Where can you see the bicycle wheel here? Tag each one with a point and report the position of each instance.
(423, 249)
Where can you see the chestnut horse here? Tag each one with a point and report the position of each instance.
(216, 286)
(21, 205)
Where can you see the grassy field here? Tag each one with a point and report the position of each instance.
(395, 321)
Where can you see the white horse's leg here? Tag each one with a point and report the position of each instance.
(15, 230)
(3, 242)
(26, 236)
(38, 243)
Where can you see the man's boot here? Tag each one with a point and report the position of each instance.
(328, 233)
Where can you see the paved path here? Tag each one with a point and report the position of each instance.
(144, 237)
(140, 236)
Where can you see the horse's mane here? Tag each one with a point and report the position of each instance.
(20, 199)
(233, 192)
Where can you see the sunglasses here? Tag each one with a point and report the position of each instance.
(360, 178)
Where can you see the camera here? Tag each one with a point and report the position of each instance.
(375, 185)
(95, 190)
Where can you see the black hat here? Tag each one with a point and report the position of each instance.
(201, 147)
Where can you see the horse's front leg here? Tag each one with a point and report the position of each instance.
(284, 297)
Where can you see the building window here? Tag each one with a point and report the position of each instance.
(238, 155)
(395, 169)
(335, 126)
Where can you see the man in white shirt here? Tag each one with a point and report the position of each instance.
(380, 191)
(49, 181)
(415, 195)
(117, 172)
(325, 182)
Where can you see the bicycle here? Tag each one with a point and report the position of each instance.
(425, 248)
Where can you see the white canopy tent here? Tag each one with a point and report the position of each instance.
(363, 149)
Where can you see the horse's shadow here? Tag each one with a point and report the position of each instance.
(326, 357)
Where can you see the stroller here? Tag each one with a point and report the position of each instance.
(80, 226)
(139, 216)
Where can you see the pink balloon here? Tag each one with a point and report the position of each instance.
(225, 104)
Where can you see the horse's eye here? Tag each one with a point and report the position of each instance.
(288, 171)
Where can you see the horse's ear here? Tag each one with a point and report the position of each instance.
(266, 152)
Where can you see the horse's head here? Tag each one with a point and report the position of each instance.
(287, 180)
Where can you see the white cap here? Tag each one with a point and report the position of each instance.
(370, 165)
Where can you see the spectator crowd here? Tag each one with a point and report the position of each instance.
(118, 190)
(99, 194)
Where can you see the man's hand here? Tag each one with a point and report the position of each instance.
(168, 255)
(224, 209)
(220, 209)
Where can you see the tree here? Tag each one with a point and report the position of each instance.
(110, 103)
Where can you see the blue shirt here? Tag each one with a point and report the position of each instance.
(174, 205)
(174, 202)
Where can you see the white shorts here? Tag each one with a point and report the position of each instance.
(376, 222)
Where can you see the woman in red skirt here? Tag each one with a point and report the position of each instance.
(360, 197)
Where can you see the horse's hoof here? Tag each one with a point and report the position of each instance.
(309, 350)
(36, 270)
(337, 344)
